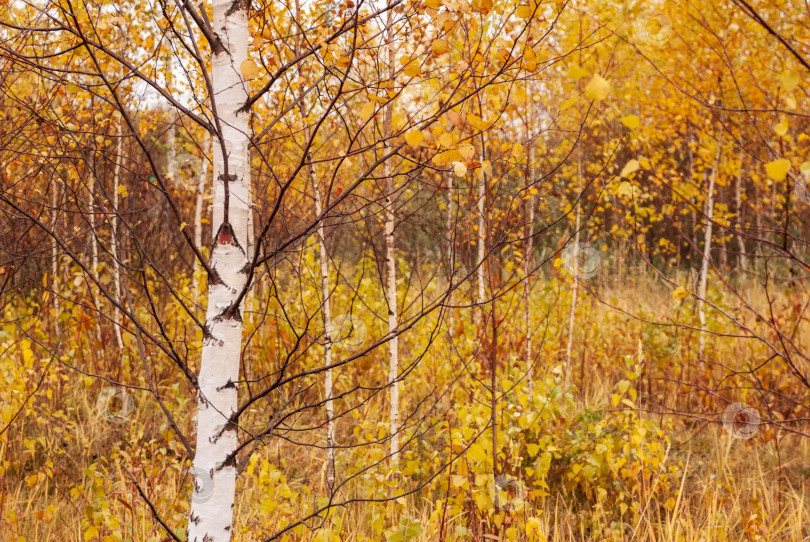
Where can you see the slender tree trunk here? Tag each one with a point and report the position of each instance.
(575, 286)
(55, 259)
(326, 308)
(327, 332)
(391, 265)
(482, 226)
(739, 208)
(493, 373)
(527, 258)
(91, 217)
(691, 159)
(480, 296)
(114, 237)
(707, 247)
(171, 155)
(450, 246)
(198, 211)
(211, 515)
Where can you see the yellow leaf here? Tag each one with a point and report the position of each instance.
(439, 47)
(525, 12)
(446, 140)
(414, 138)
(182, 226)
(598, 88)
(781, 128)
(517, 150)
(477, 123)
(777, 170)
(444, 158)
(413, 70)
(615, 399)
(532, 449)
(72, 88)
(486, 168)
(576, 72)
(625, 189)
(679, 293)
(90, 533)
(629, 168)
(466, 151)
(367, 111)
(477, 453)
(570, 102)
(343, 62)
(249, 69)
(631, 121)
(459, 169)
(790, 80)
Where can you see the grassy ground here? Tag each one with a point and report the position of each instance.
(603, 459)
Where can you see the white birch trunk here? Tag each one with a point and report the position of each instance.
(171, 156)
(327, 332)
(114, 238)
(482, 187)
(739, 209)
(326, 308)
(391, 264)
(91, 216)
(575, 287)
(707, 249)
(211, 515)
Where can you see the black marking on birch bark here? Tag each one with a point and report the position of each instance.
(232, 313)
(230, 425)
(231, 385)
(236, 6)
(229, 313)
(230, 461)
(214, 279)
(225, 234)
(217, 46)
(195, 519)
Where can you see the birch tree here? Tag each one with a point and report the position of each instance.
(390, 255)
(114, 252)
(707, 245)
(211, 514)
